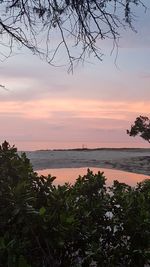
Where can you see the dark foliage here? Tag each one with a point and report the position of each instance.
(141, 127)
(84, 224)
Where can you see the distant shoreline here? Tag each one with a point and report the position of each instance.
(96, 149)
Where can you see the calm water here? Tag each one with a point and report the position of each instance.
(71, 174)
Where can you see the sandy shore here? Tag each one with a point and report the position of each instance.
(132, 160)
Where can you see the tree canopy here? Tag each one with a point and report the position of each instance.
(47, 26)
(84, 224)
(141, 127)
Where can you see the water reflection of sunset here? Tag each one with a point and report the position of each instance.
(71, 174)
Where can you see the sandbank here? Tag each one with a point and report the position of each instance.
(131, 160)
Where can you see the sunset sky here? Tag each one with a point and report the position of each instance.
(45, 107)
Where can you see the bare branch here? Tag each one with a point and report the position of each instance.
(77, 25)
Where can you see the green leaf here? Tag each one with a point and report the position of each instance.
(70, 219)
(42, 211)
(2, 243)
(61, 243)
(23, 262)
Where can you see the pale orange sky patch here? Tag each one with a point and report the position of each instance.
(48, 108)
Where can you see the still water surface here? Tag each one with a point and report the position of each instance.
(71, 174)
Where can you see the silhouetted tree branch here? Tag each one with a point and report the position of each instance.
(73, 23)
(141, 127)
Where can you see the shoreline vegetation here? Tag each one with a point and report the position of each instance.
(96, 149)
(86, 224)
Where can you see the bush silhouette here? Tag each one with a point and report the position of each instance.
(85, 224)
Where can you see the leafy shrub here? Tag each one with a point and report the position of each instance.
(85, 224)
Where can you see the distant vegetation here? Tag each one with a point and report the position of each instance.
(97, 149)
(86, 224)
